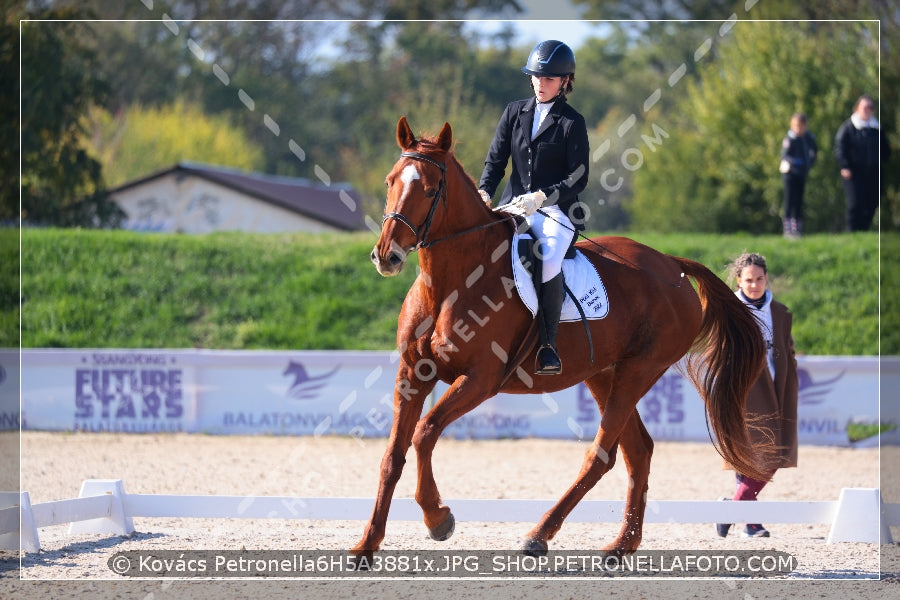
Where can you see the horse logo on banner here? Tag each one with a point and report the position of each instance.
(814, 392)
(305, 387)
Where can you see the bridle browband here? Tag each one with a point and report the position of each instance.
(441, 191)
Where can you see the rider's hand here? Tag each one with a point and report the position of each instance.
(527, 204)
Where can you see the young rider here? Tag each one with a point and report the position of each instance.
(548, 143)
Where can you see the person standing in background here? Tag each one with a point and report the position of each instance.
(859, 147)
(771, 407)
(798, 154)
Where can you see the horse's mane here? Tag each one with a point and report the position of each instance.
(428, 146)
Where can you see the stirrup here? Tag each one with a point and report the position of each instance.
(550, 365)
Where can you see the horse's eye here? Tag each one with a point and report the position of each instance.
(430, 193)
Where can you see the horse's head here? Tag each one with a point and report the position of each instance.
(416, 185)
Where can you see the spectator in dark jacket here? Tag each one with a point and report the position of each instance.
(798, 154)
(859, 147)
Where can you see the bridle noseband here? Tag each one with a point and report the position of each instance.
(441, 191)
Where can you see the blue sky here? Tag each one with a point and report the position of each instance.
(530, 31)
(572, 32)
(541, 20)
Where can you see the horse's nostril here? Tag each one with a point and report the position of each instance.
(373, 256)
(395, 259)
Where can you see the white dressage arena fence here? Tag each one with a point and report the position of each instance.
(103, 507)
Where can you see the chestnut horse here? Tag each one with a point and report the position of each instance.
(462, 324)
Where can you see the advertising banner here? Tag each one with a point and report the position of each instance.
(219, 392)
(297, 393)
(9, 389)
(351, 393)
(833, 392)
(107, 390)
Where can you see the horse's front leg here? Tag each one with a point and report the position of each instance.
(408, 400)
(462, 396)
(617, 393)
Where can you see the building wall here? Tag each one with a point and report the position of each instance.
(187, 204)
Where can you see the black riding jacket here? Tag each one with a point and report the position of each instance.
(556, 161)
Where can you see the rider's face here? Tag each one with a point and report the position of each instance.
(546, 88)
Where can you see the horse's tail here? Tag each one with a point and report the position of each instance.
(727, 357)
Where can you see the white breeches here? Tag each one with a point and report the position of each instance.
(555, 233)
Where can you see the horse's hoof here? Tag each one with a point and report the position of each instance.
(442, 532)
(617, 551)
(534, 547)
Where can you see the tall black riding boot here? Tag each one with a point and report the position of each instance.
(550, 302)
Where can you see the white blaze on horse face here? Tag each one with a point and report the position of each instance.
(409, 174)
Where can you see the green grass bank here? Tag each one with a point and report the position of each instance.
(119, 289)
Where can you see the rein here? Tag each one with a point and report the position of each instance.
(620, 257)
(426, 225)
(441, 192)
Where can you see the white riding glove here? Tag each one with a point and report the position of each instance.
(526, 204)
(485, 197)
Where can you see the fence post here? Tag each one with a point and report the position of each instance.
(17, 523)
(28, 536)
(118, 522)
(859, 517)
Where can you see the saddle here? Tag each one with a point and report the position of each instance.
(586, 296)
(591, 292)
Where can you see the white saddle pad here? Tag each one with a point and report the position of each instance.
(580, 276)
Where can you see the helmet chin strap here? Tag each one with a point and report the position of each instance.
(564, 81)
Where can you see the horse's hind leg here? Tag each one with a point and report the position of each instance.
(637, 448)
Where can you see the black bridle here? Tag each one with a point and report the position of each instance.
(441, 191)
(426, 225)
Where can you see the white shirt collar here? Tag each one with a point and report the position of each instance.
(541, 109)
(861, 123)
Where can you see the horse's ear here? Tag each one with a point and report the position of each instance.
(445, 137)
(405, 137)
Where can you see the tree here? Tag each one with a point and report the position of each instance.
(61, 183)
(817, 14)
(617, 75)
(718, 171)
(658, 10)
(9, 115)
(141, 140)
(430, 74)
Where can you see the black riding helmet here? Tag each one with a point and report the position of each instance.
(550, 58)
